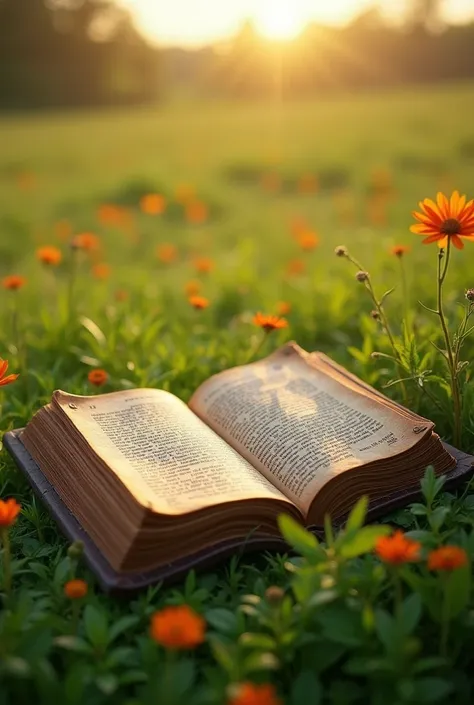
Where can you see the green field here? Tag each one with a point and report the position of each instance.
(374, 158)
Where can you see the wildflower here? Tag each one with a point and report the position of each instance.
(308, 240)
(470, 294)
(362, 276)
(283, 308)
(101, 271)
(13, 282)
(166, 253)
(447, 558)
(295, 267)
(198, 302)
(203, 265)
(110, 214)
(340, 251)
(274, 594)
(49, 255)
(397, 549)
(177, 627)
(9, 378)
(153, 204)
(26, 181)
(9, 510)
(252, 694)
(192, 287)
(445, 220)
(196, 212)
(75, 589)
(400, 250)
(85, 241)
(269, 323)
(98, 377)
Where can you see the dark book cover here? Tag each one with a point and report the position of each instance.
(113, 581)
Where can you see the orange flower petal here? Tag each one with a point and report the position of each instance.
(432, 238)
(443, 242)
(423, 218)
(454, 204)
(443, 205)
(457, 242)
(423, 230)
(431, 209)
(3, 367)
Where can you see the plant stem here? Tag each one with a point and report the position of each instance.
(443, 643)
(7, 568)
(403, 277)
(257, 348)
(442, 271)
(71, 288)
(385, 324)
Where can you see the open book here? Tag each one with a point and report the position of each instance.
(152, 480)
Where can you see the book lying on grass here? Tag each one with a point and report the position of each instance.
(158, 486)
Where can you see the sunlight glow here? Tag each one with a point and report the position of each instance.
(279, 19)
(197, 22)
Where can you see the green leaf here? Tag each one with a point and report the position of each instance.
(223, 620)
(357, 516)
(386, 629)
(107, 683)
(458, 588)
(342, 626)
(95, 625)
(306, 690)
(122, 625)
(262, 642)
(363, 541)
(410, 613)
(296, 536)
(431, 689)
(261, 662)
(438, 517)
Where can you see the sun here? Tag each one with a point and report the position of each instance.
(280, 19)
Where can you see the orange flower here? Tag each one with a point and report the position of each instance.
(13, 282)
(283, 308)
(110, 214)
(196, 212)
(447, 558)
(203, 265)
(198, 302)
(295, 267)
(177, 627)
(192, 287)
(49, 255)
(397, 549)
(400, 250)
(166, 253)
(26, 181)
(269, 323)
(75, 589)
(308, 183)
(308, 240)
(101, 271)
(445, 220)
(251, 694)
(153, 204)
(63, 230)
(9, 510)
(86, 241)
(9, 378)
(98, 377)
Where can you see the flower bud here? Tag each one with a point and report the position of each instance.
(340, 251)
(362, 276)
(75, 550)
(274, 595)
(470, 294)
(375, 315)
(375, 355)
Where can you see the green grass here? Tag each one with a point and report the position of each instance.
(425, 139)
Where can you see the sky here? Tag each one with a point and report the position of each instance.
(197, 22)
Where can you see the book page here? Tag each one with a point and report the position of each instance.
(163, 453)
(299, 426)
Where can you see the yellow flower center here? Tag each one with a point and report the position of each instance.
(452, 226)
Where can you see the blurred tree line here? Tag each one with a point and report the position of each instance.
(369, 52)
(72, 52)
